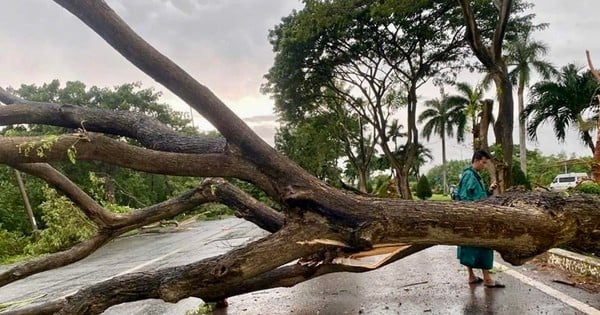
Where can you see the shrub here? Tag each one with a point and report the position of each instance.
(66, 225)
(588, 188)
(423, 188)
(11, 244)
(519, 178)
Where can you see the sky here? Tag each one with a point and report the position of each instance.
(224, 45)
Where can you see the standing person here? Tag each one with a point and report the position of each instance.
(471, 188)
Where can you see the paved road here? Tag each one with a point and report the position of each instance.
(431, 282)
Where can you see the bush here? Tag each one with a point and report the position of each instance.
(519, 178)
(11, 244)
(423, 188)
(588, 188)
(66, 225)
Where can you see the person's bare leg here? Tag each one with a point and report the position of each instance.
(487, 278)
(488, 281)
(472, 276)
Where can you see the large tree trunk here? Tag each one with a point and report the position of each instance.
(484, 124)
(492, 59)
(317, 222)
(505, 120)
(596, 148)
(444, 171)
(522, 130)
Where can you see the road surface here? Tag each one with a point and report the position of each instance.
(430, 282)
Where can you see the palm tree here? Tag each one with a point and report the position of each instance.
(441, 117)
(524, 55)
(564, 103)
(470, 100)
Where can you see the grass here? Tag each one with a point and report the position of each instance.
(436, 197)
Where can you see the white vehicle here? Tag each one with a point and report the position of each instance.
(564, 181)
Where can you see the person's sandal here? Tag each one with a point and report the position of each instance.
(476, 281)
(495, 285)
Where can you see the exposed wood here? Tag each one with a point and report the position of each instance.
(317, 223)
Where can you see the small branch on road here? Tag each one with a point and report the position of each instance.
(414, 284)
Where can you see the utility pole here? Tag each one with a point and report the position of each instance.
(26, 201)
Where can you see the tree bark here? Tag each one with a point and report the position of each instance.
(317, 222)
(491, 58)
(522, 130)
(596, 148)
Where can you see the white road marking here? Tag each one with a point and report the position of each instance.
(581, 306)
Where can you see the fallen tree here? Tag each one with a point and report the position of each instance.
(317, 223)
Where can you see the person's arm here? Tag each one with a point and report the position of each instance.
(468, 186)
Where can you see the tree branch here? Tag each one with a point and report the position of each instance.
(118, 225)
(473, 35)
(148, 131)
(204, 279)
(503, 16)
(106, 23)
(247, 207)
(89, 146)
(95, 212)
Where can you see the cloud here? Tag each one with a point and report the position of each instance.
(224, 45)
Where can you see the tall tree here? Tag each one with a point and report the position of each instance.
(471, 101)
(441, 118)
(564, 103)
(382, 52)
(524, 55)
(487, 47)
(315, 222)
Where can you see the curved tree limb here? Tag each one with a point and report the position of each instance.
(106, 23)
(203, 279)
(247, 207)
(54, 260)
(286, 276)
(473, 35)
(500, 32)
(89, 146)
(118, 226)
(591, 66)
(147, 130)
(94, 211)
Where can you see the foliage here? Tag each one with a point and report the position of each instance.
(369, 57)
(423, 189)
(524, 55)
(315, 143)
(203, 309)
(13, 216)
(588, 188)
(66, 225)
(442, 117)
(11, 244)
(382, 186)
(213, 211)
(564, 103)
(453, 168)
(519, 178)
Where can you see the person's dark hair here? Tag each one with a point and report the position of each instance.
(480, 154)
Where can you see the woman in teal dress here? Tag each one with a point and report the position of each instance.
(471, 188)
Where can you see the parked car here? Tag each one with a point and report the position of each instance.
(564, 181)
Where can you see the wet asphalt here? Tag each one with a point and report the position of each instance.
(430, 282)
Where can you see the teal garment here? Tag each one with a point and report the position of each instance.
(471, 188)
